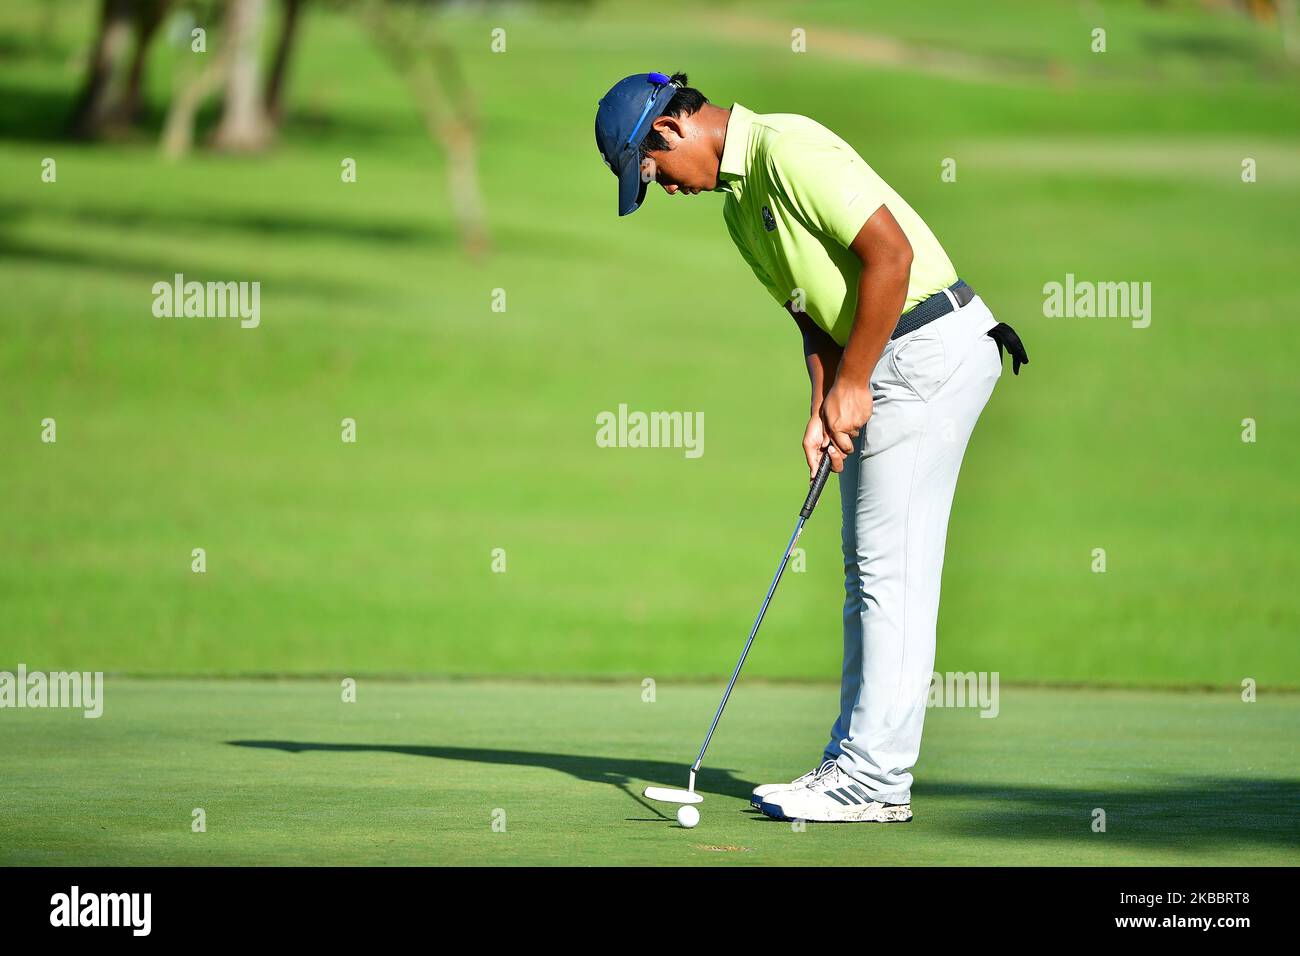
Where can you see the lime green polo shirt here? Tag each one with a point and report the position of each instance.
(797, 197)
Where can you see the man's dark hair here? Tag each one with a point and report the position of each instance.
(685, 102)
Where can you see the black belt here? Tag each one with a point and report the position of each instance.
(957, 295)
(939, 304)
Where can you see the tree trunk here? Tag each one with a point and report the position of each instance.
(195, 80)
(462, 174)
(432, 73)
(149, 18)
(285, 43)
(94, 111)
(243, 126)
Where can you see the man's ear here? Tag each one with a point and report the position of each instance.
(670, 128)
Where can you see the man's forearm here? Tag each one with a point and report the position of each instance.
(821, 355)
(882, 290)
(823, 360)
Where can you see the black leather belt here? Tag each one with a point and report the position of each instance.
(953, 298)
(939, 304)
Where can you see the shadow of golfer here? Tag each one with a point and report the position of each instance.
(627, 775)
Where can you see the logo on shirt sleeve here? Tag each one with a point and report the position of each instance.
(769, 222)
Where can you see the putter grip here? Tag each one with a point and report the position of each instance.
(818, 483)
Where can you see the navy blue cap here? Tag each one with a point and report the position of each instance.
(623, 119)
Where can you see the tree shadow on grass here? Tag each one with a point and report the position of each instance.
(1187, 811)
(152, 269)
(282, 228)
(270, 223)
(31, 113)
(1197, 811)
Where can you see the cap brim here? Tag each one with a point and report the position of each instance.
(631, 188)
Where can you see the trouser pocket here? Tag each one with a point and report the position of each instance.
(920, 361)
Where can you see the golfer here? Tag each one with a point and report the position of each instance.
(902, 356)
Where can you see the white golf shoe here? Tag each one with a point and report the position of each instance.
(832, 796)
(765, 791)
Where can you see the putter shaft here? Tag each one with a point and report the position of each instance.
(809, 503)
(785, 559)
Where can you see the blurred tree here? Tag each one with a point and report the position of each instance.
(284, 45)
(249, 118)
(195, 80)
(404, 31)
(149, 17)
(244, 125)
(1284, 14)
(110, 96)
(93, 106)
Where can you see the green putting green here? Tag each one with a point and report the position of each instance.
(477, 772)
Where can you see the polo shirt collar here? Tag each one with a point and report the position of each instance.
(735, 148)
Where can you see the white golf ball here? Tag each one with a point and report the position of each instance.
(687, 815)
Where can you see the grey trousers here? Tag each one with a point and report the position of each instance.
(896, 492)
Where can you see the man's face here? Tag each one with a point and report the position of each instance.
(687, 165)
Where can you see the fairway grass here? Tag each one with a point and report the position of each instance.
(1118, 447)
(419, 772)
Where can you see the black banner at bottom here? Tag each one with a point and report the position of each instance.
(334, 905)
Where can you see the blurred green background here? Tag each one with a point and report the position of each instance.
(476, 428)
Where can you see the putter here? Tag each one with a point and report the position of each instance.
(671, 794)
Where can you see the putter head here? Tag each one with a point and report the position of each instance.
(672, 795)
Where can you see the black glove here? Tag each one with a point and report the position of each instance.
(1006, 336)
